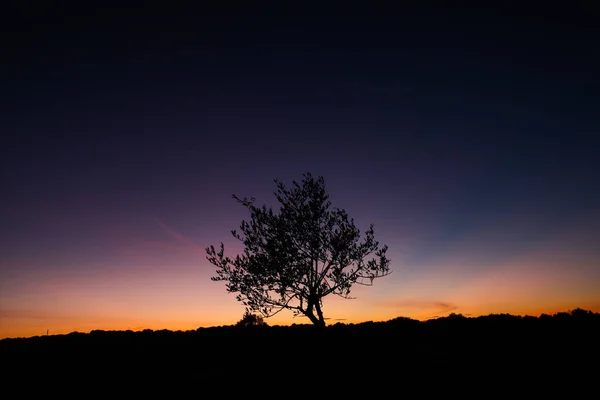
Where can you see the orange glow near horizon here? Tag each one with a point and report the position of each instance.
(184, 300)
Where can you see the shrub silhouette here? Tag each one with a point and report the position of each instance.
(250, 320)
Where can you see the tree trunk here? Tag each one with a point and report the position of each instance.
(320, 314)
(317, 320)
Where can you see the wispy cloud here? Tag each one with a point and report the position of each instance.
(18, 313)
(181, 238)
(167, 246)
(425, 304)
(426, 308)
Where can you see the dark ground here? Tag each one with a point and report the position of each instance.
(523, 356)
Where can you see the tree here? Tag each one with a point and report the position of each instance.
(295, 256)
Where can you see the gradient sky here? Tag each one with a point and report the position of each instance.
(470, 138)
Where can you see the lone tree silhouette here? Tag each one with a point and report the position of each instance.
(296, 256)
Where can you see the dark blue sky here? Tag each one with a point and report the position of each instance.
(433, 122)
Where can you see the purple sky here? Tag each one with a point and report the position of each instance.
(469, 138)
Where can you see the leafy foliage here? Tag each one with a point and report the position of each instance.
(296, 256)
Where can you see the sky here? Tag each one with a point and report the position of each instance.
(468, 137)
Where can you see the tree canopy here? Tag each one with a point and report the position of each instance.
(297, 255)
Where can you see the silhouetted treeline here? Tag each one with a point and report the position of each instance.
(563, 333)
(528, 356)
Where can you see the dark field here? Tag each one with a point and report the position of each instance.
(544, 354)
